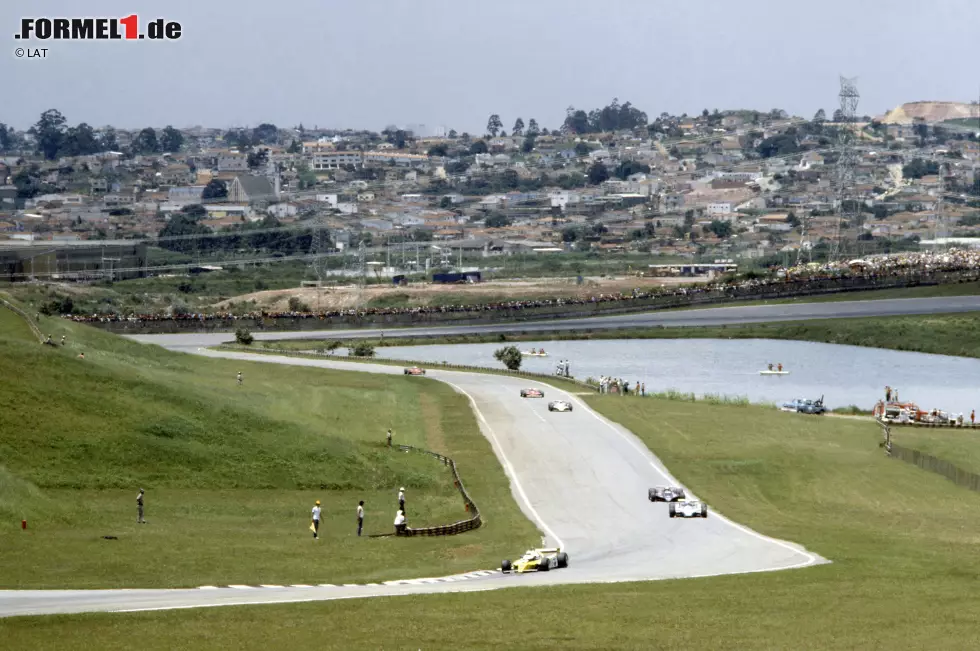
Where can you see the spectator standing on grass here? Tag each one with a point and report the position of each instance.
(401, 498)
(400, 522)
(316, 520)
(62, 340)
(389, 437)
(360, 516)
(139, 508)
(973, 417)
(239, 378)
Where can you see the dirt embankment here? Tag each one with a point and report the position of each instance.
(356, 296)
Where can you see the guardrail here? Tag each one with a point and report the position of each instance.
(773, 291)
(23, 315)
(462, 526)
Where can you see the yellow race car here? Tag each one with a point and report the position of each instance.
(536, 560)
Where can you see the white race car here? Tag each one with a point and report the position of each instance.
(559, 405)
(688, 509)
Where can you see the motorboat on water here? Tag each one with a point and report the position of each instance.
(773, 372)
(534, 353)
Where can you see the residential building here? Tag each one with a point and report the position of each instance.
(232, 162)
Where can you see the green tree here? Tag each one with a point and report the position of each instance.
(582, 149)
(532, 127)
(494, 125)
(452, 134)
(361, 349)
(146, 142)
(628, 168)
(244, 337)
(598, 173)
(257, 159)
(215, 189)
(820, 116)
(438, 150)
(294, 147)
(497, 221)
(509, 356)
(79, 141)
(171, 140)
(479, 147)
(445, 203)
(7, 137)
(266, 133)
(518, 129)
(528, 145)
(720, 228)
(49, 132)
(185, 225)
(108, 142)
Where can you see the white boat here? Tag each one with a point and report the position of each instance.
(532, 353)
(773, 372)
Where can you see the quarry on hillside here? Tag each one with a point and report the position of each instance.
(931, 112)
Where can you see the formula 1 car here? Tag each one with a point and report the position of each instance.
(559, 405)
(536, 560)
(666, 494)
(532, 393)
(415, 370)
(688, 509)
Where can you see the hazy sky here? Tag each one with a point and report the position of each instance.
(369, 63)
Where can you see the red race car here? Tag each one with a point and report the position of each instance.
(415, 370)
(532, 393)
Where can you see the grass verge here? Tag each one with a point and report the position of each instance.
(942, 334)
(231, 471)
(904, 573)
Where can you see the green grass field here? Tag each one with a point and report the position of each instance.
(231, 472)
(902, 541)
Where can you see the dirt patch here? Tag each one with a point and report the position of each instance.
(356, 296)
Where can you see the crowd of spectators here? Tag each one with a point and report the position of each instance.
(887, 270)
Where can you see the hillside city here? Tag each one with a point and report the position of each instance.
(715, 185)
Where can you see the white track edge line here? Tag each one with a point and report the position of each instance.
(811, 558)
(508, 467)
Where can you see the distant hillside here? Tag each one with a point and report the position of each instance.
(930, 112)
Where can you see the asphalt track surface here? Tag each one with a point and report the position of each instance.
(714, 316)
(581, 478)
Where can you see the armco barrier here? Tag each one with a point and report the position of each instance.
(939, 466)
(469, 524)
(478, 315)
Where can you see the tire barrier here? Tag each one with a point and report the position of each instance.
(473, 522)
(21, 313)
(569, 308)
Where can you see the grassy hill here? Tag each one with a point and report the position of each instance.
(903, 544)
(230, 471)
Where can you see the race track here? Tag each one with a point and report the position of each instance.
(674, 318)
(581, 478)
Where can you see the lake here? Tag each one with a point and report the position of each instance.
(844, 375)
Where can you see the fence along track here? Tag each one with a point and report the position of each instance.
(21, 313)
(947, 469)
(462, 526)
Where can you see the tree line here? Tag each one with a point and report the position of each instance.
(196, 237)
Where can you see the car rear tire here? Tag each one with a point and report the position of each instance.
(652, 495)
(543, 566)
(704, 510)
(671, 509)
(505, 566)
(563, 560)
